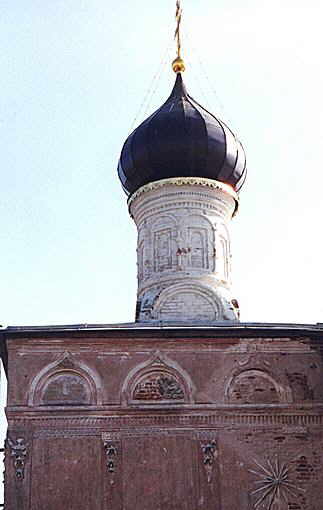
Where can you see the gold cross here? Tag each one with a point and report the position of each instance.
(178, 64)
(178, 26)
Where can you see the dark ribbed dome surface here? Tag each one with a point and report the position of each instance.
(181, 139)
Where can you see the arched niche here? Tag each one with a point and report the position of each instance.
(140, 251)
(222, 260)
(158, 385)
(165, 221)
(255, 387)
(199, 234)
(163, 231)
(223, 252)
(65, 382)
(188, 301)
(157, 381)
(65, 388)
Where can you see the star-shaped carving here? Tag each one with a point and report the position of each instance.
(273, 484)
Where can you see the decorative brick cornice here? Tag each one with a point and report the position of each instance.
(91, 425)
(186, 181)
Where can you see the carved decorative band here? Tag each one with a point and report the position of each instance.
(114, 438)
(156, 432)
(65, 434)
(185, 181)
(220, 420)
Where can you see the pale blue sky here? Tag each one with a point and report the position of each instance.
(73, 76)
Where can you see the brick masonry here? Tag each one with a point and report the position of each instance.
(135, 418)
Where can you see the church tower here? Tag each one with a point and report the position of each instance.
(183, 169)
(186, 408)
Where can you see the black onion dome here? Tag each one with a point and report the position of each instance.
(181, 139)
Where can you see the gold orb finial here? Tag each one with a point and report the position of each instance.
(178, 65)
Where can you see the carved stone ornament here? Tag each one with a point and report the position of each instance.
(18, 450)
(111, 452)
(210, 453)
(273, 484)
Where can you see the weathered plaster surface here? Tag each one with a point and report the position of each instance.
(183, 253)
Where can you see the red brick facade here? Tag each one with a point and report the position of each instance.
(150, 419)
